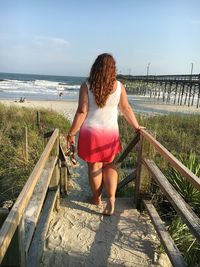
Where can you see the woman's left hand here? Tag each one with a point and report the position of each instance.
(139, 128)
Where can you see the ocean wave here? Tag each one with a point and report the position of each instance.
(37, 87)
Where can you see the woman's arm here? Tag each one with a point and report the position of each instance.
(127, 111)
(80, 115)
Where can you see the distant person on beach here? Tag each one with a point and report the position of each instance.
(60, 95)
(22, 99)
(97, 118)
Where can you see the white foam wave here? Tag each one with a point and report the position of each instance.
(37, 87)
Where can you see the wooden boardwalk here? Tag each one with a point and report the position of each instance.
(79, 235)
(42, 229)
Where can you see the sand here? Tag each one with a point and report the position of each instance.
(79, 235)
(170, 108)
(66, 108)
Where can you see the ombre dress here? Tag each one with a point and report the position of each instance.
(99, 139)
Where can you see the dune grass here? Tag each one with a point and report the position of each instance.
(14, 168)
(180, 135)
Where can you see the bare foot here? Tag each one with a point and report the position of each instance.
(110, 207)
(95, 201)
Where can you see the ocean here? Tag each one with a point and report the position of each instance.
(49, 87)
(39, 87)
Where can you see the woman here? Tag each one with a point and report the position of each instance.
(96, 117)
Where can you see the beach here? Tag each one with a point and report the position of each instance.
(60, 93)
(63, 107)
(68, 108)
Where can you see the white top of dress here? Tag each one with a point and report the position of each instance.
(107, 116)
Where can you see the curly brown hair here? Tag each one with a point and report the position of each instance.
(102, 78)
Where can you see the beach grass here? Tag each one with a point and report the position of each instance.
(180, 135)
(14, 166)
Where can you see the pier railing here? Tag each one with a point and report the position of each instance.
(181, 77)
(42, 190)
(142, 183)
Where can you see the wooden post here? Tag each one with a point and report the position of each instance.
(164, 91)
(15, 255)
(169, 93)
(26, 144)
(198, 96)
(143, 177)
(63, 177)
(190, 91)
(38, 119)
(55, 179)
(138, 176)
(176, 89)
(186, 95)
(159, 89)
(193, 95)
(182, 93)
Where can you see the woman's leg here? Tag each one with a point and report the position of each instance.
(95, 181)
(110, 177)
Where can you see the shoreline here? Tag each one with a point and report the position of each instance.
(63, 107)
(68, 108)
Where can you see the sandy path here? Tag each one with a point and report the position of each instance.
(79, 235)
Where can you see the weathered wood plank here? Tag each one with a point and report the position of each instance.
(166, 240)
(128, 179)
(64, 171)
(37, 244)
(61, 154)
(191, 177)
(138, 175)
(8, 229)
(21, 242)
(35, 204)
(127, 150)
(182, 208)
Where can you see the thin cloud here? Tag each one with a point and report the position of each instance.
(54, 42)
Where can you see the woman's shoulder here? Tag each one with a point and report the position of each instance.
(119, 82)
(120, 85)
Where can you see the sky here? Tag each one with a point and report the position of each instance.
(61, 37)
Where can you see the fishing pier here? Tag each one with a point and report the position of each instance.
(172, 89)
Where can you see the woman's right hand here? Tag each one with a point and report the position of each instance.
(70, 140)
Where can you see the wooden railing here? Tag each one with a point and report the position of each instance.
(142, 198)
(20, 240)
(39, 195)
